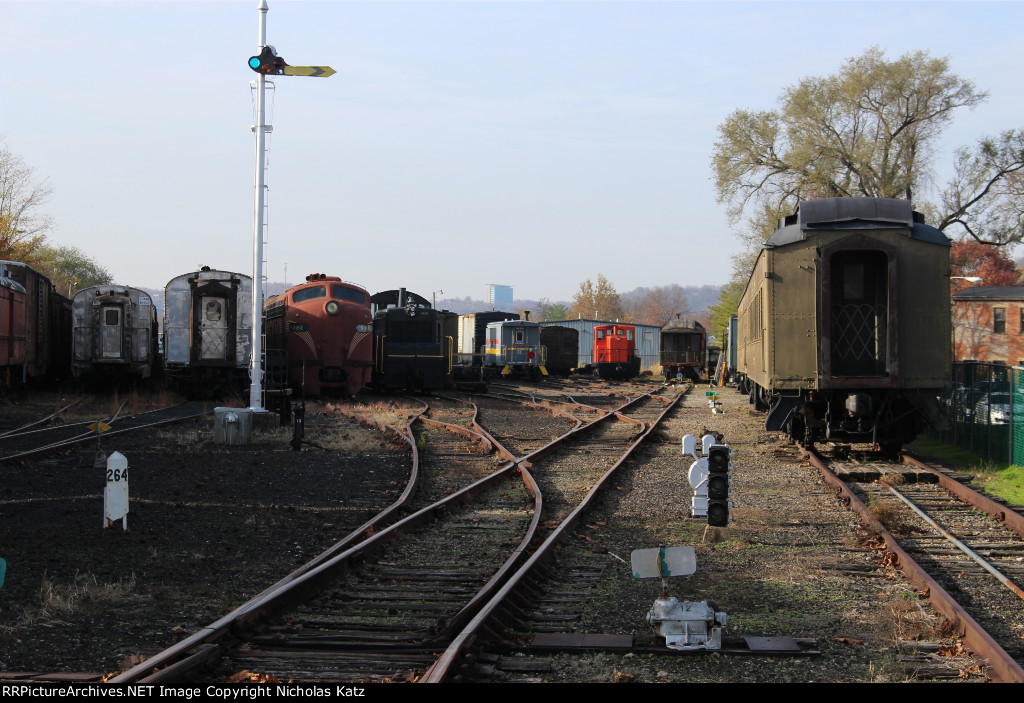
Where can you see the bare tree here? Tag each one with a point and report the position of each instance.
(985, 197)
(597, 301)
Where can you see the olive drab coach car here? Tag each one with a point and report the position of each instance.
(844, 328)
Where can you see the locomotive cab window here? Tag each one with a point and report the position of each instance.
(343, 293)
(859, 313)
(309, 294)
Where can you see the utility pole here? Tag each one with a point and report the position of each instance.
(265, 63)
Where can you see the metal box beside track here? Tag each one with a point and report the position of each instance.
(232, 426)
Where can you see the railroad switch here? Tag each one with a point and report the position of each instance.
(685, 625)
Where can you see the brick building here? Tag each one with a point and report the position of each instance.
(988, 324)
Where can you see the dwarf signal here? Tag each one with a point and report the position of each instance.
(719, 463)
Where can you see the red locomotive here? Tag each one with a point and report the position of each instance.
(615, 351)
(325, 328)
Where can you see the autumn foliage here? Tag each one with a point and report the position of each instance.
(990, 263)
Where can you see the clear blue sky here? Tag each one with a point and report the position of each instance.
(534, 144)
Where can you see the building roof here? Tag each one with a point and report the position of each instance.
(990, 293)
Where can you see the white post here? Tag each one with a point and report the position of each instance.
(115, 492)
(256, 364)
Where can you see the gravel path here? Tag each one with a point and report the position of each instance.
(793, 563)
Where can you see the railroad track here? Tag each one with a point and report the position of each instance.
(956, 546)
(388, 606)
(51, 441)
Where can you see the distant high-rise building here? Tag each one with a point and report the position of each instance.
(499, 295)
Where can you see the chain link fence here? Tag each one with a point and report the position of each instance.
(985, 407)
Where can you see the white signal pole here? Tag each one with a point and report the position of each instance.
(256, 364)
(266, 62)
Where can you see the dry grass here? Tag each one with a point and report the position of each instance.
(84, 593)
(350, 441)
(891, 517)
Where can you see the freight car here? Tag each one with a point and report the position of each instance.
(413, 344)
(844, 326)
(12, 327)
(35, 326)
(561, 349)
(208, 330)
(684, 350)
(323, 327)
(615, 351)
(114, 332)
(513, 346)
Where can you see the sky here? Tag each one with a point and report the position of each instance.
(532, 143)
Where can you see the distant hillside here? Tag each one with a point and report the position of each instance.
(701, 298)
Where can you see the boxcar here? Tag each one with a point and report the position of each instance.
(12, 327)
(844, 328)
(208, 330)
(323, 327)
(115, 332)
(561, 347)
(33, 325)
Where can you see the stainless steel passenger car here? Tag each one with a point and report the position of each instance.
(844, 328)
(114, 332)
(208, 329)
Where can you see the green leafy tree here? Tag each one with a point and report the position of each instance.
(70, 269)
(23, 228)
(597, 301)
(868, 130)
(728, 301)
(547, 311)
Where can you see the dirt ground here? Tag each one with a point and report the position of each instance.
(211, 526)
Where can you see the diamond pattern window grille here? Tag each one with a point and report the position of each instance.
(858, 333)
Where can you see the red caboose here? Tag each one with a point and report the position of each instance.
(325, 326)
(615, 351)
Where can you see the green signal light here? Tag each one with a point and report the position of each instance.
(254, 63)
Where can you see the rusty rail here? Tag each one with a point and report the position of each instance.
(1002, 666)
(312, 577)
(1011, 520)
(448, 661)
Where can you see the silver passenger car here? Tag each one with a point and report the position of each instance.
(114, 332)
(207, 328)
